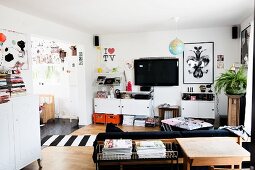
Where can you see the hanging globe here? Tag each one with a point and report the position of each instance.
(176, 46)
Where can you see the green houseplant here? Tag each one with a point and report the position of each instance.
(232, 82)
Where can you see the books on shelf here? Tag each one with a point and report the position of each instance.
(145, 149)
(117, 149)
(112, 81)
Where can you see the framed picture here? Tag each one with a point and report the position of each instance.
(245, 39)
(198, 65)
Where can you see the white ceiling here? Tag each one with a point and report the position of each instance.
(122, 16)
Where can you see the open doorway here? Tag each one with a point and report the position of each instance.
(55, 80)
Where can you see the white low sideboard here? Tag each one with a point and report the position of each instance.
(122, 106)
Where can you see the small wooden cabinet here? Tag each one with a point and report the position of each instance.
(47, 105)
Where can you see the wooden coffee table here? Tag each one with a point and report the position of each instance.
(212, 151)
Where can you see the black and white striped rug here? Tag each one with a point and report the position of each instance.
(68, 140)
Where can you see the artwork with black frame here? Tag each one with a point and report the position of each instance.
(245, 38)
(198, 63)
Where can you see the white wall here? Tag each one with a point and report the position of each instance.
(21, 22)
(148, 44)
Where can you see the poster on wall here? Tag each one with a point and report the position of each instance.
(245, 39)
(80, 58)
(198, 66)
(13, 50)
(108, 54)
(220, 61)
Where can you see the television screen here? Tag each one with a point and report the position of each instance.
(157, 72)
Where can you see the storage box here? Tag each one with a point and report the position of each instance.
(99, 118)
(128, 120)
(111, 118)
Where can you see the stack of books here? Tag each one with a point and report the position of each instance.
(16, 85)
(4, 95)
(117, 149)
(150, 149)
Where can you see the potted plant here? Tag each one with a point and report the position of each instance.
(232, 82)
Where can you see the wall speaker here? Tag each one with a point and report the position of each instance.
(235, 32)
(96, 41)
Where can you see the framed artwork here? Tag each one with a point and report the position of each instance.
(198, 64)
(14, 51)
(245, 39)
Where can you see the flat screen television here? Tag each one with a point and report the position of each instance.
(157, 72)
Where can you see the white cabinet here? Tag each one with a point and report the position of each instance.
(198, 109)
(107, 106)
(206, 109)
(189, 109)
(6, 137)
(20, 132)
(122, 106)
(136, 107)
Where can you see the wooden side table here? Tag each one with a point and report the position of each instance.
(162, 110)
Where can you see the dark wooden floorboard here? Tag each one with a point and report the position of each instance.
(59, 127)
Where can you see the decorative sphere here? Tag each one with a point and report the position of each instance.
(176, 46)
(2, 38)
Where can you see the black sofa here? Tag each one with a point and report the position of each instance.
(159, 135)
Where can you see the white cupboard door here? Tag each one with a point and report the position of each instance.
(27, 130)
(6, 137)
(136, 107)
(189, 109)
(206, 110)
(107, 106)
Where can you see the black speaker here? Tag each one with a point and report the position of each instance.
(96, 41)
(235, 31)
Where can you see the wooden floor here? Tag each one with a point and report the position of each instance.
(76, 158)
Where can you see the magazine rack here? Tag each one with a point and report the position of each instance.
(171, 157)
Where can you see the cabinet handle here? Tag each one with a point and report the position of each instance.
(118, 106)
(182, 108)
(95, 105)
(122, 106)
(148, 107)
(212, 109)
